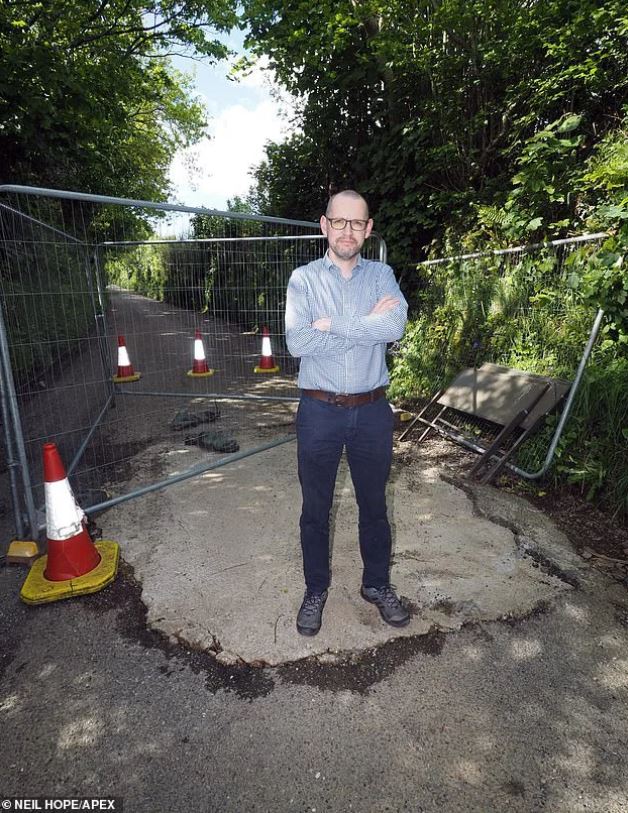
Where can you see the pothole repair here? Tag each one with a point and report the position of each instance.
(357, 672)
(219, 562)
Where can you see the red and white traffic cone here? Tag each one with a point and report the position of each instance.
(199, 366)
(126, 373)
(74, 564)
(266, 362)
(71, 551)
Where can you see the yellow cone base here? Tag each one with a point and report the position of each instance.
(125, 379)
(22, 552)
(200, 375)
(37, 589)
(406, 416)
(269, 370)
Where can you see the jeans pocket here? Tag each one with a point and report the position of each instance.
(304, 411)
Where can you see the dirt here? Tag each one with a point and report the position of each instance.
(592, 532)
(124, 597)
(583, 522)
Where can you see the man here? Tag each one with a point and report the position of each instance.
(341, 311)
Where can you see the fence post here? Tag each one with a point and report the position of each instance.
(100, 316)
(12, 462)
(16, 425)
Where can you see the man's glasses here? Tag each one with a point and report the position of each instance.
(340, 222)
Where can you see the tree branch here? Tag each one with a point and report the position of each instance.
(112, 31)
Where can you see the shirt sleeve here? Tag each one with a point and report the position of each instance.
(377, 327)
(301, 338)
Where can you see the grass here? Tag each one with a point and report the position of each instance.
(523, 315)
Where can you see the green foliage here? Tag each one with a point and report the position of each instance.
(139, 268)
(546, 172)
(288, 183)
(601, 278)
(594, 448)
(467, 124)
(48, 306)
(534, 314)
(438, 108)
(169, 271)
(607, 171)
(88, 99)
(225, 269)
(247, 277)
(517, 314)
(470, 125)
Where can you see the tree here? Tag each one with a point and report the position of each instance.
(428, 106)
(88, 99)
(291, 182)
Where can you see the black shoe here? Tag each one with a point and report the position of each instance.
(390, 608)
(311, 612)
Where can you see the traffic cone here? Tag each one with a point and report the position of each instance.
(126, 373)
(266, 362)
(71, 551)
(199, 366)
(74, 564)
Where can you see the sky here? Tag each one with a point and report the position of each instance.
(243, 116)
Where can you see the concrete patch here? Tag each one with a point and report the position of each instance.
(220, 565)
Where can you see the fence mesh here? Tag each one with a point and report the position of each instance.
(516, 308)
(76, 273)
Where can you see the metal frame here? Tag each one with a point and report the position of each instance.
(25, 510)
(487, 453)
(27, 519)
(499, 252)
(14, 436)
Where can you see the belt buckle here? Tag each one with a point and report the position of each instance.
(338, 396)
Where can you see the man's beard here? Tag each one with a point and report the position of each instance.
(346, 252)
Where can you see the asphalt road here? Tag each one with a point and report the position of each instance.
(524, 715)
(513, 715)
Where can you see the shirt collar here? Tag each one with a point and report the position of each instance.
(329, 264)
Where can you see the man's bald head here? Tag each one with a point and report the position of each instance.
(346, 225)
(346, 195)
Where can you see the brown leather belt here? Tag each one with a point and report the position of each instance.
(353, 400)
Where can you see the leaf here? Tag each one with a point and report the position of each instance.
(534, 224)
(569, 123)
(614, 211)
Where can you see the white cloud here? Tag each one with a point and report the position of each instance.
(217, 168)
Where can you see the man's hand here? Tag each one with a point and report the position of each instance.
(386, 303)
(324, 323)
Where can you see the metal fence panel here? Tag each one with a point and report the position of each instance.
(514, 307)
(76, 272)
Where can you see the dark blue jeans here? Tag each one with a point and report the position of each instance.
(323, 430)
